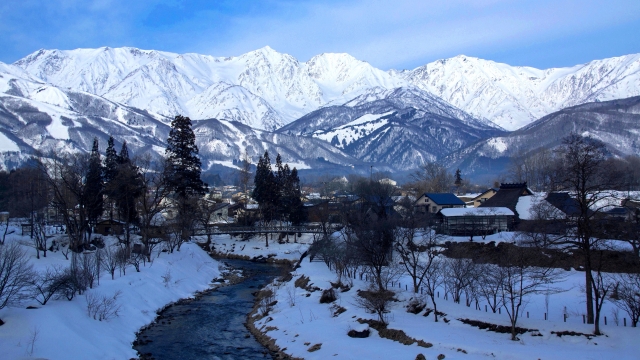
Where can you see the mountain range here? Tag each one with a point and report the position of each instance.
(332, 110)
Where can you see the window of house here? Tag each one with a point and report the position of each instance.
(434, 209)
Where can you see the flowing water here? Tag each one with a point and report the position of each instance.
(211, 327)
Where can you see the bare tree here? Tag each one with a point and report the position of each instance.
(47, 283)
(490, 280)
(38, 238)
(66, 176)
(109, 260)
(460, 273)
(206, 211)
(601, 284)
(545, 226)
(534, 168)
(152, 202)
(15, 275)
(520, 280)
(432, 178)
(590, 179)
(417, 251)
(245, 173)
(626, 295)
(371, 241)
(376, 301)
(433, 280)
(4, 228)
(122, 260)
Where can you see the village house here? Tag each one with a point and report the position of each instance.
(475, 221)
(486, 195)
(434, 202)
(508, 196)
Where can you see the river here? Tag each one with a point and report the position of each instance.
(211, 327)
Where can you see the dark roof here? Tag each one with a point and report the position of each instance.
(564, 202)
(385, 201)
(618, 211)
(507, 196)
(444, 199)
(486, 191)
(220, 206)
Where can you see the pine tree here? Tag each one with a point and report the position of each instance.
(296, 211)
(123, 157)
(110, 161)
(458, 181)
(182, 156)
(265, 187)
(127, 186)
(94, 187)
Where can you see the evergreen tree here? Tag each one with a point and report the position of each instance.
(127, 186)
(182, 156)
(94, 185)
(458, 181)
(110, 161)
(296, 211)
(265, 187)
(123, 157)
(281, 185)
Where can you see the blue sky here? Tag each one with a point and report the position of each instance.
(399, 34)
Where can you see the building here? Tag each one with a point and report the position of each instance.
(478, 200)
(434, 202)
(220, 213)
(507, 196)
(476, 221)
(109, 227)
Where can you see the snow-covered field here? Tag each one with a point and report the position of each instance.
(298, 320)
(63, 330)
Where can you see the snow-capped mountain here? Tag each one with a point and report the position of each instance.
(36, 117)
(513, 97)
(332, 110)
(401, 128)
(615, 123)
(266, 89)
(263, 88)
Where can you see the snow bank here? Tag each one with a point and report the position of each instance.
(65, 331)
(299, 324)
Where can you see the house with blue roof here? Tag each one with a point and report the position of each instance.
(434, 202)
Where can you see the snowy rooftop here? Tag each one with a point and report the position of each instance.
(488, 211)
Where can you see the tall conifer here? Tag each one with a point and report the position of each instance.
(182, 156)
(94, 185)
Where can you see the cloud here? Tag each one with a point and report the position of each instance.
(388, 34)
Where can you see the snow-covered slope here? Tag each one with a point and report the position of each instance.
(513, 97)
(263, 88)
(400, 128)
(615, 123)
(39, 117)
(266, 89)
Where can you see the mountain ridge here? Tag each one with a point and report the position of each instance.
(287, 89)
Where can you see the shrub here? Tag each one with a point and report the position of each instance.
(103, 307)
(415, 306)
(328, 296)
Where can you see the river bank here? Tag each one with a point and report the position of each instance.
(214, 323)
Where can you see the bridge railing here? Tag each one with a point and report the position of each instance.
(257, 229)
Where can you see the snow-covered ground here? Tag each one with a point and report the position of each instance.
(62, 328)
(309, 322)
(298, 321)
(298, 324)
